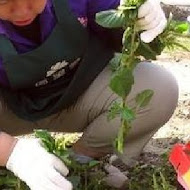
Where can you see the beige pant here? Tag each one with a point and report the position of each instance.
(89, 114)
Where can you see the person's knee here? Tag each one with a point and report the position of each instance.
(168, 96)
(165, 87)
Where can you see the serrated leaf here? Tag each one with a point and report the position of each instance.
(122, 81)
(43, 134)
(110, 19)
(143, 98)
(46, 138)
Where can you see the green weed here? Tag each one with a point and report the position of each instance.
(90, 176)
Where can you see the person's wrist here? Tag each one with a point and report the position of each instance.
(7, 144)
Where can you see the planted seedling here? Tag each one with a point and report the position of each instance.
(83, 176)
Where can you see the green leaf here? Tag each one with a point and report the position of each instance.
(115, 61)
(7, 180)
(114, 111)
(75, 180)
(143, 98)
(146, 51)
(122, 81)
(93, 163)
(134, 63)
(127, 114)
(124, 8)
(182, 27)
(110, 19)
(46, 138)
(157, 46)
(165, 184)
(155, 183)
(43, 134)
(135, 3)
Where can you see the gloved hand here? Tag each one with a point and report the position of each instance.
(38, 168)
(151, 19)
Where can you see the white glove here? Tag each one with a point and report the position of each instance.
(38, 168)
(188, 19)
(151, 19)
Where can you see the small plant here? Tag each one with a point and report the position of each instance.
(9, 182)
(159, 176)
(124, 63)
(90, 176)
(164, 184)
(83, 176)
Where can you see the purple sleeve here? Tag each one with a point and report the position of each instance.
(83, 7)
(95, 6)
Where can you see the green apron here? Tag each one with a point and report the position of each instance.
(51, 77)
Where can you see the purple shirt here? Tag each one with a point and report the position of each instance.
(84, 10)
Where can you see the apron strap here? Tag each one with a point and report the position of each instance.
(6, 47)
(62, 10)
